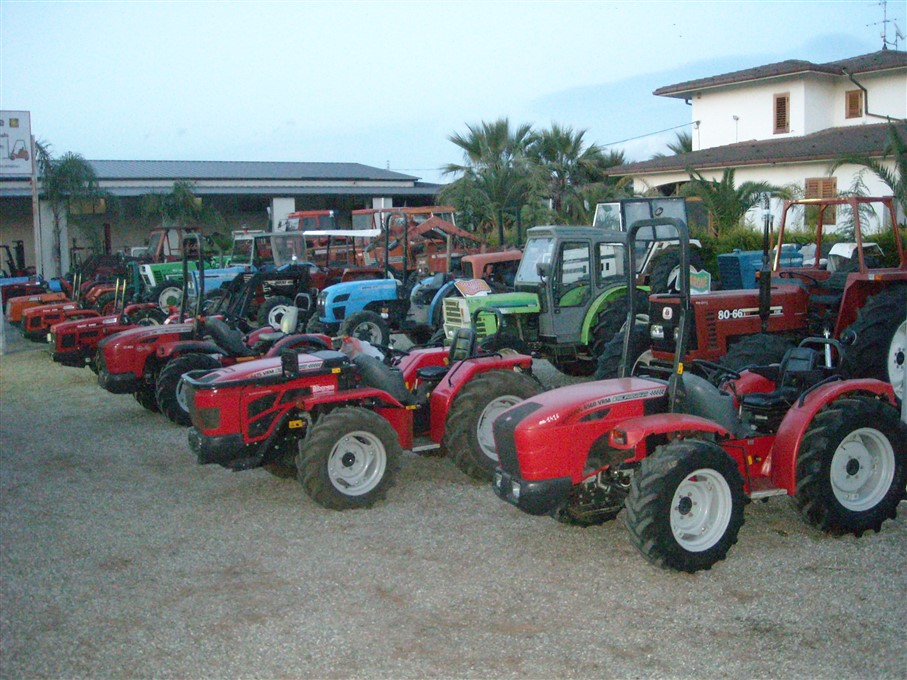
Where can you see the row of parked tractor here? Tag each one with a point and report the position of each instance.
(695, 401)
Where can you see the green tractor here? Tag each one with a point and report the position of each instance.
(570, 291)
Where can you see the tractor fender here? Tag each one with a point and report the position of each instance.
(170, 350)
(631, 434)
(461, 373)
(399, 416)
(783, 460)
(291, 341)
(596, 306)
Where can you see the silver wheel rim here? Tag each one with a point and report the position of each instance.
(484, 431)
(897, 356)
(701, 510)
(181, 398)
(170, 297)
(357, 463)
(862, 469)
(368, 331)
(275, 316)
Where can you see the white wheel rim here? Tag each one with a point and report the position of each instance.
(275, 316)
(897, 356)
(862, 469)
(357, 463)
(170, 297)
(701, 510)
(181, 397)
(484, 431)
(368, 331)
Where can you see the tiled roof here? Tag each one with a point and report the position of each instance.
(242, 170)
(825, 145)
(875, 61)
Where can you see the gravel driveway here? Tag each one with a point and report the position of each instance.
(120, 557)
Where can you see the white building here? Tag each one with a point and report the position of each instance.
(786, 123)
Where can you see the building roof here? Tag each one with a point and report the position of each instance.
(876, 61)
(242, 170)
(827, 145)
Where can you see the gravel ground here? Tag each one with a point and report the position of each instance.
(123, 558)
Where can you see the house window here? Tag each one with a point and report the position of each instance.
(853, 106)
(823, 187)
(782, 113)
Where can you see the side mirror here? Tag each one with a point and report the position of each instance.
(543, 268)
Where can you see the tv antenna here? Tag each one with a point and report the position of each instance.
(898, 35)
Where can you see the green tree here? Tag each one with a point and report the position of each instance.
(65, 182)
(495, 175)
(683, 144)
(567, 169)
(180, 207)
(894, 178)
(726, 202)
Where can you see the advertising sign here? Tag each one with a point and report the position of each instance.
(15, 144)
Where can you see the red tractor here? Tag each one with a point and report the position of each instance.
(339, 420)
(684, 454)
(850, 295)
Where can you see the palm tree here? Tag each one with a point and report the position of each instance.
(894, 178)
(683, 144)
(178, 208)
(65, 182)
(566, 167)
(495, 175)
(726, 202)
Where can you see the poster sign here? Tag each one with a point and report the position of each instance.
(15, 144)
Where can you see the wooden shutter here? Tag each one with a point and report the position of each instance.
(853, 104)
(782, 113)
(824, 187)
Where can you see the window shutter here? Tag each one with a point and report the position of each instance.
(782, 113)
(824, 187)
(853, 104)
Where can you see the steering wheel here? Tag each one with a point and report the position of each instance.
(790, 274)
(392, 355)
(715, 373)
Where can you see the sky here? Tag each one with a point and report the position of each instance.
(386, 83)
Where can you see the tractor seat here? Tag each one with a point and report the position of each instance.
(799, 370)
(228, 338)
(463, 346)
(375, 373)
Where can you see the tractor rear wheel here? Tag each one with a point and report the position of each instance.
(879, 347)
(349, 459)
(852, 466)
(685, 505)
(760, 349)
(611, 319)
(171, 392)
(367, 325)
(468, 434)
(640, 352)
(166, 295)
(666, 267)
(106, 304)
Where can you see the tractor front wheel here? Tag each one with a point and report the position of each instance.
(166, 295)
(468, 435)
(852, 466)
(685, 505)
(367, 325)
(171, 390)
(144, 394)
(272, 311)
(349, 459)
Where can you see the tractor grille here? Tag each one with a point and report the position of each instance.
(504, 440)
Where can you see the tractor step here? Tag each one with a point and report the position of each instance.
(425, 448)
(763, 488)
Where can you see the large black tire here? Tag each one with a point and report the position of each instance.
(349, 459)
(316, 325)
(879, 348)
(852, 466)
(106, 304)
(760, 349)
(662, 276)
(685, 505)
(272, 311)
(171, 396)
(145, 395)
(609, 359)
(149, 317)
(367, 325)
(468, 436)
(166, 295)
(611, 319)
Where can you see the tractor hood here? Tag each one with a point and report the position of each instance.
(268, 369)
(81, 324)
(141, 334)
(378, 289)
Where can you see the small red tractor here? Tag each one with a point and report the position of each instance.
(683, 455)
(339, 420)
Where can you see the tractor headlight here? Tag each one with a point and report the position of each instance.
(657, 332)
(208, 418)
(498, 480)
(515, 490)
